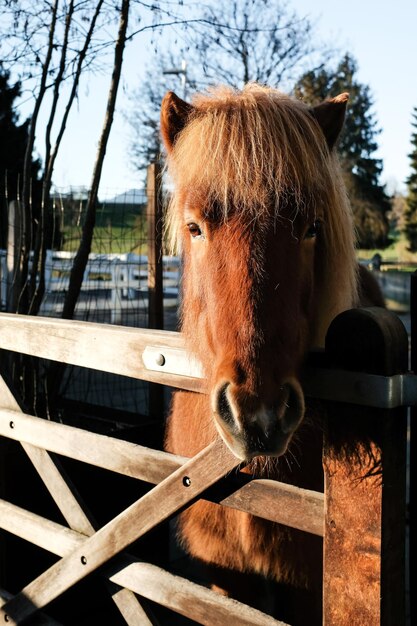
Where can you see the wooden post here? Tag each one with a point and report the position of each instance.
(365, 480)
(154, 215)
(156, 392)
(155, 288)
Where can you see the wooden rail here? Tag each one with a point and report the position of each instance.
(95, 346)
(150, 581)
(359, 515)
(103, 347)
(270, 499)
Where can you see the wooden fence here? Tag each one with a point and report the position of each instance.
(122, 276)
(363, 384)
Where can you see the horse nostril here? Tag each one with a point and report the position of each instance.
(292, 406)
(223, 406)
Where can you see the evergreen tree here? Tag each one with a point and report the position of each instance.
(357, 145)
(411, 211)
(13, 140)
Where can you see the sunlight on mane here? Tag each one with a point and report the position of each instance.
(249, 152)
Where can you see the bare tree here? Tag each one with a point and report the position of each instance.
(166, 73)
(47, 46)
(255, 40)
(51, 47)
(234, 43)
(37, 279)
(81, 258)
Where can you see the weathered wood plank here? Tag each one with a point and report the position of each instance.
(176, 491)
(116, 455)
(40, 531)
(113, 349)
(129, 606)
(154, 220)
(187, 598)
(57, 485)
(66, 498)
(278, 502)
(40, 620)
(149, 581)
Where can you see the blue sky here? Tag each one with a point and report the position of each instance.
(382, 35)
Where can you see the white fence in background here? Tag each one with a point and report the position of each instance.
(123, 275)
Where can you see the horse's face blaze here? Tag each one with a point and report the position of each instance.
(252, 286)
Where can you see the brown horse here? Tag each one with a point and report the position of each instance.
(261, 216)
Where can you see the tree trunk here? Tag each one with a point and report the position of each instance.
(22, 286)
(81, 258)
(37, 280)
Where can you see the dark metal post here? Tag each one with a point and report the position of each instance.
(413, 450)
(365, 479)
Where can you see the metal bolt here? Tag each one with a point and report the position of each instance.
(84, 560)
(11, 424)
(160, 360)
(186, 481)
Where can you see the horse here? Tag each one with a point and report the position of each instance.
(261, 216)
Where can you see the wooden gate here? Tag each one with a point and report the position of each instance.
(361, 379)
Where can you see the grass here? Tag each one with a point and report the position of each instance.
(397, 251)
(108, 239)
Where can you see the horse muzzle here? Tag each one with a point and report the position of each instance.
(251, 428)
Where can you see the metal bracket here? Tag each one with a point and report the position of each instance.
(384, 392)
(171, 361)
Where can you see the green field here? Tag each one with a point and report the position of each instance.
(120, 228)
(397, 251)
(106, 240)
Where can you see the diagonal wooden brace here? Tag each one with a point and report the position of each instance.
(175, 492)
(69, 503)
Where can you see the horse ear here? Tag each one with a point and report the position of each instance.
(330, 114)
(174, 115)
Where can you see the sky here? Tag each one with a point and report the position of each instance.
(380, 34)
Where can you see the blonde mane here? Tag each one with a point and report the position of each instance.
(249, 151)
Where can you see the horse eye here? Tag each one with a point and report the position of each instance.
(194, 229)
(314, 230)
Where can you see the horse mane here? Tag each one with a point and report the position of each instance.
(251, 152)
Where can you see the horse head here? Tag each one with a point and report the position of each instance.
(261, 217)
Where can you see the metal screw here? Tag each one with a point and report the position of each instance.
(160, 360)
(84, 560)
(186, 481)
(11, 424)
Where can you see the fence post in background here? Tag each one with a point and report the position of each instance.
(117, 276)
(155, 288)
(364, 460)
(3, 280)
(15, 235)
(154, 217)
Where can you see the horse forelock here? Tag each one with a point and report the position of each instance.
(250, 150)
(255, 153)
